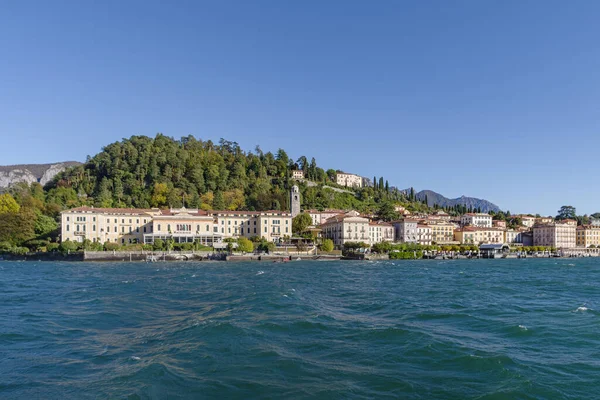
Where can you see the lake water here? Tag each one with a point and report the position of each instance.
(471, 329)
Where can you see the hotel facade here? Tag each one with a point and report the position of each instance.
(126, 226)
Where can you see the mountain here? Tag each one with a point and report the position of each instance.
(42, 173)
(472, 202)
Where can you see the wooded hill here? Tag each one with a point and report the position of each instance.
(163, 172)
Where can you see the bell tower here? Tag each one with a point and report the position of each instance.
(295, 201)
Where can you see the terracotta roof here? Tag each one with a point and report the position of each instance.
(111, 210)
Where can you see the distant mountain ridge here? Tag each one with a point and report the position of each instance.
(42, 173)
(442, 201)
(469, 202)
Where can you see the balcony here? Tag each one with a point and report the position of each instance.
(79, 233)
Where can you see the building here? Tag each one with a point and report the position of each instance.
(514, 236)
(440, 214)
(350, 180)
(298, 174)
(476, 219)
(183, 225)
(587, 236)
(479, 235)
(295, 201)
(405, 231)
(526, 220)
(380, 232)
(115, 225)
(442, 232)
(527, 238)
(499, 224)
(401, 210)
(544, 220)
(342, 229)
(126, 226)
(424, 234)
(558, 235)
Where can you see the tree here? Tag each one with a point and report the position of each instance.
(566, 212)
(327, 245)
(387, 212)
(245, 245)
(67, 246)
(8, 204)
(301, 222)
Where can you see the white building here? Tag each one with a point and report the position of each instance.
(405, 231)
(476, 219)
(350, 180)
(424, 234)
(298, 174)
(558, 235)
(341, 229)
(380, 232)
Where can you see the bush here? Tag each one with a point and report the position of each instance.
(5, 247)
(52, 247)
(159, 244)
(147, 247)
(67, 246)
(20, 251)
(245, 245)
(187, 246)
(36, 245)
(110, 246)
(327, 245)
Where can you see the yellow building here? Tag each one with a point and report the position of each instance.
(442, 232)
(479, 235)
(587, 236)
(182, 225)
(117, 225)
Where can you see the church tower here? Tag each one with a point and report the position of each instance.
(295, 201)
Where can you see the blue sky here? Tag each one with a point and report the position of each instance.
(492, 99)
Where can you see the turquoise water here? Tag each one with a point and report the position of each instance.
(473, 329)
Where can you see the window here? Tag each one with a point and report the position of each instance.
(67, 219)
(254, 230)
(123, 220)
(93, 228)
(67, 228)
(115, 220)
(115, 229)
(207, 228)
(144, 229)
(122, 229)
(94, 219)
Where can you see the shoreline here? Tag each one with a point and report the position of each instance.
(203, 257)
